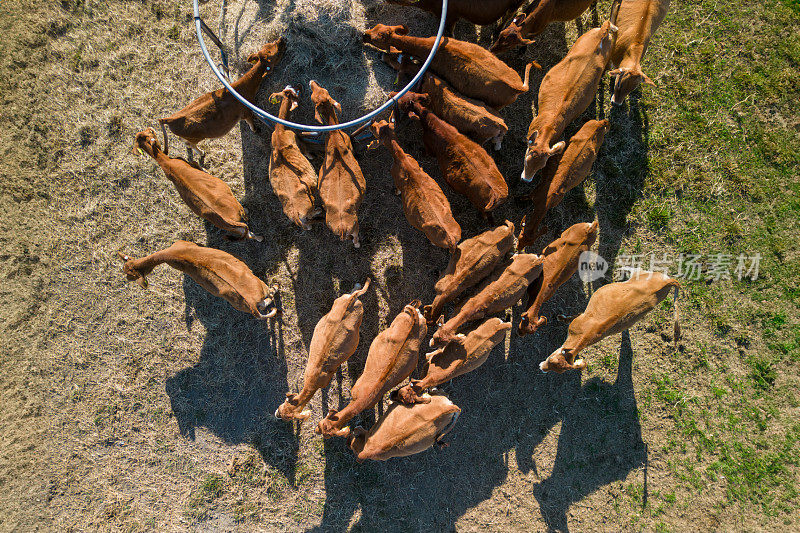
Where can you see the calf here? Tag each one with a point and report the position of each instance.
(424, 204)
(566, 91)
(216, 271)
(502, 289)
(535, 22)
(638, 20)
(391, 359)
(341, 182)
(466, 167)
(335, 339)
(208, 197)
(459, 357)
(612, 309)
(214, 114)
(473, 260)
(481, 13)
(562, 175)
(560, 263)
(471, 69)
(469, 116)
(291, 175)
(405, 430)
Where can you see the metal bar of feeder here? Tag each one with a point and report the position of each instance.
(314, 130)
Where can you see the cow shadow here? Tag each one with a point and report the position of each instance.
(600, 442)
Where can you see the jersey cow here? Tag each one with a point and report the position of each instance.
(481, 12)
(291, 175)
(218, 272)
(470, 263)
(612, 309)
(334, 341)
(207, 196)
(566, 91)
(560, 263)
(404, 430)
(392, 357)
(535, 22)
(341, 182)
(214, 114)
(561, 175)
(424, 204)
(637, 20)
(470, 68)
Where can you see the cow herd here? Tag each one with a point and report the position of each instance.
(457, 108)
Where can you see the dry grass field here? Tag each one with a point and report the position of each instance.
(130, 410)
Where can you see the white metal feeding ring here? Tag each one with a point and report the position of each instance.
(309, 130)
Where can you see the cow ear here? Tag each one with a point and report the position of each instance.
(646, 79)
(402, 30)
(615, 72)
(253, 58)
(440, 321)
(413, 115)
(338, 106)
(518, 19)
(528, 42)
(294, 105)
(533, 137)
(317, 116)
(142, 281)
(558, 148)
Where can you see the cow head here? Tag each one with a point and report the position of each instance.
(270, 55)
(288, 93)
(381, 36)
(324, 105)
(413, 103)
(328, 427)
(511, 37)
(382, 130)
(131, 272)
(291, 409)
(560, 361)
(627, 79)
(528, 327)
(147, 142)
(537, 154)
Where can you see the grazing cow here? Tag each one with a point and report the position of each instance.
(207, 196)
(612, 309)
(469, 116)
(502, 289)
(561, 175)
(566, 91)
(216, 271)
(458, 357)
(473, 260)
(334, 341)
(291, 175)
(466, 167)
(391, 359)
(341, 182)
(469, 68)
(404, 430)
(560, 263)
(637, 20)
(424, 204)
(535, 22)
(215, 113)
(481, 13)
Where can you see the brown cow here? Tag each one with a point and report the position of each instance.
(405, 429)
(470, 68)
(560, 263)
(612, 309)
(334, 341)
(214, 114)
(291, 175)
(482, 12)
(473, 260)
(466, 167)
(424, 204)
(207, 196)
(391, 359)
(566, 91)
(469, 116)
(535, 22)
(341, 182)
(218, 272)
(463, 355)
(502, 289)
(561, 175)
(637, 20)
